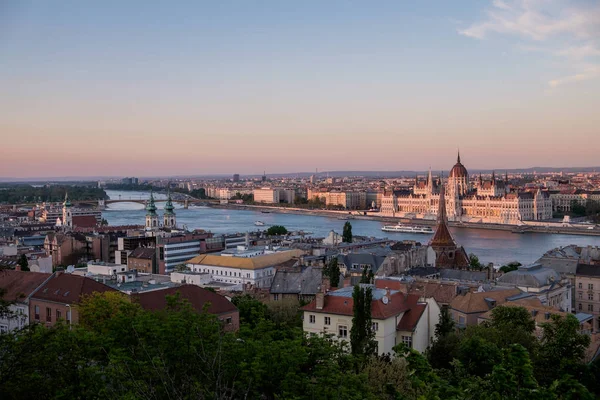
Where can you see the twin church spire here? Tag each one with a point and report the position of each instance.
(169, 219)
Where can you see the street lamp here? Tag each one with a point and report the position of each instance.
(69, 315)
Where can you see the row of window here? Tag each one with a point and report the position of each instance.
(590, 286)
(327, 321)
(49, 314)
(590, 296)
(590, 307)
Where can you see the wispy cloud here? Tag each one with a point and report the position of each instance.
(568, 30)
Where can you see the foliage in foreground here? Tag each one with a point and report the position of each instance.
(121, 351)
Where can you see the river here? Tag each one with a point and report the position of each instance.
(498, 247)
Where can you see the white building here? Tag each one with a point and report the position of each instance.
(18, 286)
(547, 284)
(489, 201)
(104, 268)
(266, 195)
(397, 317)
(257, 271)
(192, 278)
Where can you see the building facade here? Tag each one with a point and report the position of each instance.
(587, 290)
(397, 318)
(489, 201)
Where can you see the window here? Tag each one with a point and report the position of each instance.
(276, 297)
(343, 331)
(3, 329)
(580, 285)
(461, 320)
(590, 286)
(591, 307)
(58, 315)
(375, 326)
(580, 295)
(590, 296)
(37, 313)
(48, 314)
(312, 319)
(407, 340)
(228, 320)
(580, 307)
(327, 321)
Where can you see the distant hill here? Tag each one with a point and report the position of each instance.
(334, 174)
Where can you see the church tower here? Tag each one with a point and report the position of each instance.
(448, 253)
(151, 216)
(459, 178)
(169, 220)
(67, 217)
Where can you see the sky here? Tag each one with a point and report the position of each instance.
(159, 88)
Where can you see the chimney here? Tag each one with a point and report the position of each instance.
(347, 282)
(325, 284)
(17, 267)
(388, 293)
(320, 298)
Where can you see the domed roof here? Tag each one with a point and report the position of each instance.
(459, 170)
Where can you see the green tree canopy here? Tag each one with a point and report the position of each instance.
(347, 233)
(362, 336)
(277, 230)
(23, 263)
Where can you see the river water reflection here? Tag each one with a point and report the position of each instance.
(498, 247)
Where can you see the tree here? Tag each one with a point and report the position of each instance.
(23, 263)
(474, 261)
(362, 336)
(562, 348)
(104, 222)
(445, 325)
(277, 230)
(347, 233)
(511, 266)
(181, 267)
(332, 271)
(367, 276)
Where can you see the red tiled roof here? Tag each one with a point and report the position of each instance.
(391, 284)
(411, 318)
(84, 221)
(399, 302)
(68, 288)
(197, 296)
(20, 284)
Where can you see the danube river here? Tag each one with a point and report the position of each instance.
(498, 247)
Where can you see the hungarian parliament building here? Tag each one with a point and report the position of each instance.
(489, 201)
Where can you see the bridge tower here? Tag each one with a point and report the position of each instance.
(67, 218)
(186, 203)
(151, 216)
(101, 204)
(169, 220)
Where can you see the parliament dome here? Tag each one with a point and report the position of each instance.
(459, 170)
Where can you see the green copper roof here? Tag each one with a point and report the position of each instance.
(151, 207)
(67, 202)
(169, 205)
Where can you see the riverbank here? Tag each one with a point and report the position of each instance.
(567, 230)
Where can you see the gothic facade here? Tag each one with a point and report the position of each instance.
(490, 201)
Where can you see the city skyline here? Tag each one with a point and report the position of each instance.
(116, 89)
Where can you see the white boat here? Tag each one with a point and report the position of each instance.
(259, 223)
(407, 229)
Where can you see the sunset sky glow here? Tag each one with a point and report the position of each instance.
(122, 88)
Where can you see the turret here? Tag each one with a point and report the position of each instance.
(169, 216)
(67, 219)
(151, 216)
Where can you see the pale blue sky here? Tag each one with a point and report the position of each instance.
(244, 86)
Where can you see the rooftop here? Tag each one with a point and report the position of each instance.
(258, 262)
